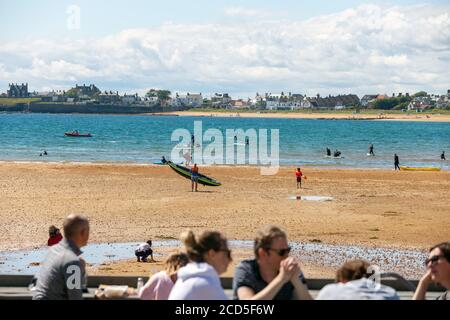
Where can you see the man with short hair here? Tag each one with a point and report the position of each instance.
(438, 271)
(62, 273)
(272, 275)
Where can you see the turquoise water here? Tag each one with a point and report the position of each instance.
(143, 139)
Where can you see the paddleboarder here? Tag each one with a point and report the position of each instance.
(337, 153)
(396, 162)
(371, 150)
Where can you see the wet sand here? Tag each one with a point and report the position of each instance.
(317, 115)
(135, 202)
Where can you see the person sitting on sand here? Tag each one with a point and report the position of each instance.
(143, 251)
(353, 283)
(443, 155)
(163, 159)
(159, 285)
(272, 275)
(63, 267)
(54, 236)
(438, 271)
(194, 177)
(299, 175)
(209, 257)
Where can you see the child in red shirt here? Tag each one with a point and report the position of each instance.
(299, 175)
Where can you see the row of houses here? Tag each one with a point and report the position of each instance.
(86, 94)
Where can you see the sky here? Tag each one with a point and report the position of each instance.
(239, 47)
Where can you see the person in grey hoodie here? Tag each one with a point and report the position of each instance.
(62, 274)
(353, 284)
(209, 257)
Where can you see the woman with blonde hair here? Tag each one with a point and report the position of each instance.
(159, 285)
(209, 257)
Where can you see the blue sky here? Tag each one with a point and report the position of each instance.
(239, 47)
(47, 18)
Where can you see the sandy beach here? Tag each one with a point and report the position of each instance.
(135, 202)
(337, 116)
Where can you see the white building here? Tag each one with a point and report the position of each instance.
(188, 100)
(130, 98)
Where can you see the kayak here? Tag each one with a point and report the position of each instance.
(71, 134)
(420, 168)
(160, 163)
(186, 172)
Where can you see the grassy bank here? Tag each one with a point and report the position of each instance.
(16, 101)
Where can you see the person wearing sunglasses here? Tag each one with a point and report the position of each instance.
(438, 271)
(209, 257)
(272, 275)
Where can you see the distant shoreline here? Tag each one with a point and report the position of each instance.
(419, 117)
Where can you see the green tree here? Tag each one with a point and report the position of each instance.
(163, 95)
(420, 94)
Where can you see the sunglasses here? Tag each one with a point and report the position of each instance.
(282, 252)
(227, 251)
(433, 259)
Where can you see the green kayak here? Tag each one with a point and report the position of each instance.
(186, 172)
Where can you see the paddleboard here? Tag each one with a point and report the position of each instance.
(419, 168)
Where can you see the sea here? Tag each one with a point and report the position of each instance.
(144, 139)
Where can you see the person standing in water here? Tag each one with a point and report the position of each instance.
(328, 152)
(443, 155)
(396, 162)
(371, 150)
(194, 177)
(299, 175)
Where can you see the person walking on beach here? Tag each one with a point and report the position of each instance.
(54, 236)
(371, 150)
(299, 175)
(194, 177)
(443, 155)
(438, 271)
(143, 251)
(272, 275)
(62, 275)
(396, 162)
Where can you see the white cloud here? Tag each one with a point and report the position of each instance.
(362, 50)
(243, 12)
